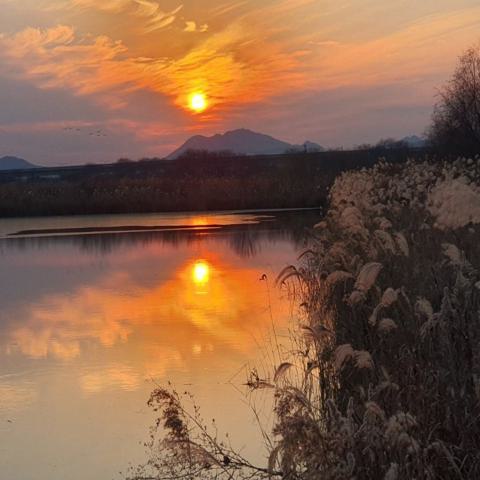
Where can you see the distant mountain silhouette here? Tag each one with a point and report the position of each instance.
(243, 142)
(414, 141)
(15, 163)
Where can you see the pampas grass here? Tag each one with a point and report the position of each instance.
(397, 391)
(386, 383)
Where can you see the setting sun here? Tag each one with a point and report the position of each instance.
(198, 102)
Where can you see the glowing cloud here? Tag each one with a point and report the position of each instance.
(148, 10)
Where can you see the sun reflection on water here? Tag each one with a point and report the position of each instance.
(201, 273)
(200, 221)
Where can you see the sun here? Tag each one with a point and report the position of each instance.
(198, 102)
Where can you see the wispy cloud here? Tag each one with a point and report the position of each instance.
(56, 58)
(156, 17)
(225, 8)
(149, 10)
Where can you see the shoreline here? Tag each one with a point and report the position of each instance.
(219, 221)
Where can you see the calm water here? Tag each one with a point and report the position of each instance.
(91, 321)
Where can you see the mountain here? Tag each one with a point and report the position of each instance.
(15, 163)
(414, 141)
(242, 141)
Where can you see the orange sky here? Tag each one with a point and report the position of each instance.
(334, 72)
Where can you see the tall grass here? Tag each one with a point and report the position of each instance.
(168, 194)
(384, 382)
(197, 182)
(391, 288)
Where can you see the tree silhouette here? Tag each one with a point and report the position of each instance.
(456, 117)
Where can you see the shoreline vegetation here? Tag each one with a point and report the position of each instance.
(198, 181)
(383, 381)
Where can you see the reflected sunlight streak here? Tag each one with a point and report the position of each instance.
(201, 272)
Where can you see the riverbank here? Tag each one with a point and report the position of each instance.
(193, 184)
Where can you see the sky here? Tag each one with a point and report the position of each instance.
(88, 81)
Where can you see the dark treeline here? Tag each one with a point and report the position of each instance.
(199, 181)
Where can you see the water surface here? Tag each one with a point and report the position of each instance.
(91, 321)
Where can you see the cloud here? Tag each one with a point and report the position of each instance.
(228, 7)
(33, 41)
(249, 60)
(148, 10)
(251, 57)
(114, 6)
(56, 58)
(191, 26)
(156, 18)
(229, 66)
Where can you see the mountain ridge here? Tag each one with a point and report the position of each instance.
(241, 141)
(9, 162)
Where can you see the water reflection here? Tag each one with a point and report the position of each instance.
(209, 296)
(15, 396)
(245, 234)
(87, 321)
(201, 273)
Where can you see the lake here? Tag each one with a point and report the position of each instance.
(97, 311)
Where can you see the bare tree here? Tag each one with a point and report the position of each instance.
(456, 117)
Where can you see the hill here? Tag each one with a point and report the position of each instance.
(242, 142)
(15, 163)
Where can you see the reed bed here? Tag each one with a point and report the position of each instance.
(384, 379)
